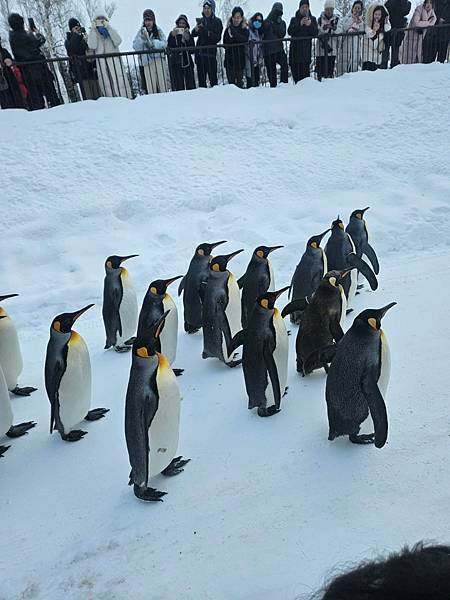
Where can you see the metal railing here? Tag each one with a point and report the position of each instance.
(130, 74)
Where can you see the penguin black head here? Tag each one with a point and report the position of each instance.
(219, 263)
(268, 299)
(359, 213)
(114, 262)
(147, 345)
(371, 317)
(206, 249)
(314, 241)
(264, 251)
(334, 278)
(63, 323)
(337, 225)
(159, 286)
(7, 296)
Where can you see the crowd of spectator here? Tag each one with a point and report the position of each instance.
(366, 38)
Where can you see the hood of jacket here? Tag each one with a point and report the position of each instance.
(16, 22)
(371, 9)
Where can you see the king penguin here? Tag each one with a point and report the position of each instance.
(6, 415)
(156, 302)
(10, 355)
(357, 229)
(341, 255)
(68, 378)
(264, 355)
(221, 310)
(309, 272)
(120, 306)
(152, 415)
(358, 379)
(257, 280)
(322, 321)
(193, 286)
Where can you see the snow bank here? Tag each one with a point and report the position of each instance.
(265, 509)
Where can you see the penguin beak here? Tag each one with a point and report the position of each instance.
(279, 292)
(228, 257)
(217, 244)
(124, 258)
(322, 235)
(169, 281)
(7, 296)
(383, 311)
(364, 209)
(76, 315)
(272, 248)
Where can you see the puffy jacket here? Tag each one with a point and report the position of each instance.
(327, 43)
(146, 41)
(398, 11)
(300, 50)
(25, 46)
(274, 30)
(76, 48)
(233, 36)
(208, 35)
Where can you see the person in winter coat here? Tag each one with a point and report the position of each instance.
(209, 32)
(112, 77)
(254, 59)
(10, 92)
(349, 57)
(235, 36)
(181, 65)
(437, 41)
(151, 37)
(412, 48)
(398, 11)
(377, 25)
(303, 25)
(327, 43)
(274, 30)
(81, 68)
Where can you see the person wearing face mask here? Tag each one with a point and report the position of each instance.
(151, 37)
(209, 33)
(112, 77)
(303, 25)
(377, 25)
(274, 29)
(181, 65)
(235, 36)
(254, 59)
(327, 43)
(411, 50)
(349, 56)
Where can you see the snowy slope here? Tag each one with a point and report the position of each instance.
(267, 508)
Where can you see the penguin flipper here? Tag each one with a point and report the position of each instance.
(377, 409)
(363, 267)
(241, 281)
(370, 253)
(273, 375)
(296, 305)
(52, 382)
(336, 330)
(111, 316)
(181, 286)
(202, 290)
(237, 341)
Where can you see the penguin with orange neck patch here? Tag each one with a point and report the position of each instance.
(120, 306)
(68, 378)
(152, 415)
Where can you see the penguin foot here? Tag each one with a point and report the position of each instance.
(23, 391)
(3, 449)
(234, 363)
(289, 332)
(268, 412)
(190, 329)
(348, 311)
(122, 349)
(73, 436)
(96, 414)
(360, 286)
(175, 467)
(130, 342)
(364, 438)
(178, 372)
(148, 494)
(22, 429)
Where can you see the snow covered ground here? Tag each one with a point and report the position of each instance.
(267, 508)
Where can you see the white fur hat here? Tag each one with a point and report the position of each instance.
(329, 4)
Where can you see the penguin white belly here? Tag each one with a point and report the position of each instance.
(325, 264)
(353, 285)
(10, 355)
(271, 277)
(6, 415)
(128, 309)
(169, 334)
(164, 429)
(232, 313)
(343, 306)
(280, 357)
(75, 386)
(385, 373)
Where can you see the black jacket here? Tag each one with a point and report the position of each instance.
(11, 97)
(181, 59)
(25, 46)
(209, 35)
(442, 10)
(233, 36)
(274, 30)
(398, 10)
(300, 50)
(76, 48)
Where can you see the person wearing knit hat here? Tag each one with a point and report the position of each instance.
(235, 39)
(151, 38)
(327, 41)
(181, 65)
(81, 70)
(209, 33)
(349, 52)
(303, 25)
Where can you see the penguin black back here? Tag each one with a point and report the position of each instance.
(357, 228)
